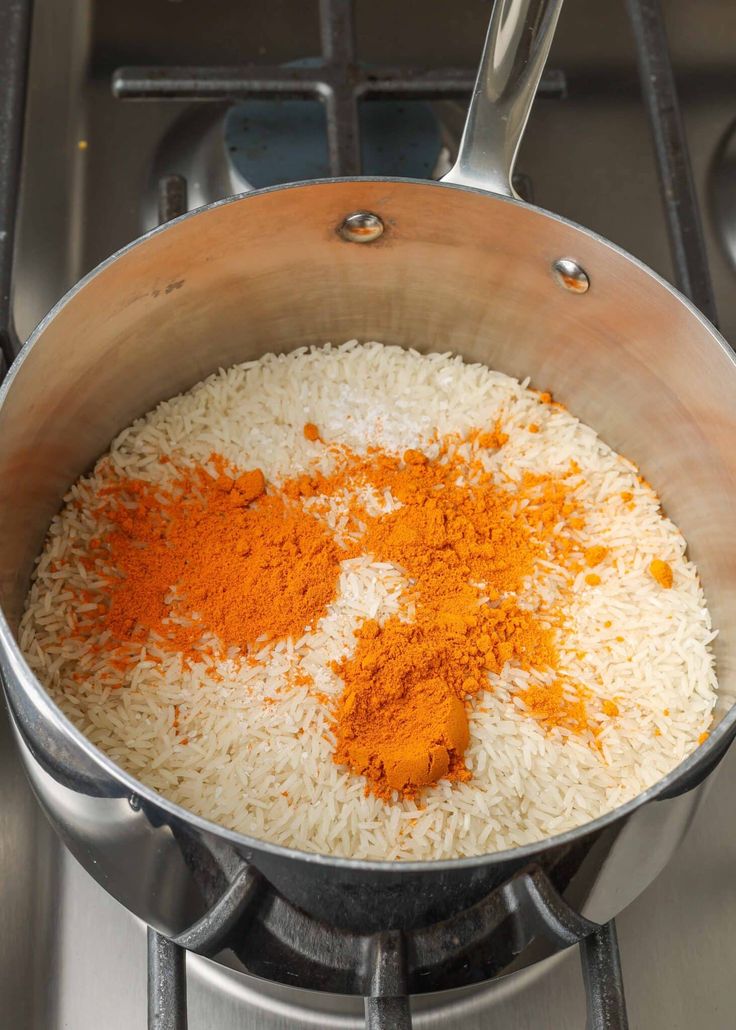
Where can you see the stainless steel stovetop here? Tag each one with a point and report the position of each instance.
(70, 957)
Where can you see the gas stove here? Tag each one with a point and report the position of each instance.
(135, 113)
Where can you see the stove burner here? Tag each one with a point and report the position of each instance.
(208, 154)
(273, 142)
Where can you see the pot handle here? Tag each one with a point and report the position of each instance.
(515, 52)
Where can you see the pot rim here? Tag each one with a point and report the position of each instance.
(44, 703)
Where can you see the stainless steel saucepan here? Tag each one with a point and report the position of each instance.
(462, 265)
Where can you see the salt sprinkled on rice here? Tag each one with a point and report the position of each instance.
(253, 747)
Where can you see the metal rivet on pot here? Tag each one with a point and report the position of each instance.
(361, 227)
(570, 275)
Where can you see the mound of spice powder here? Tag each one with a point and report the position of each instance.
(216, 551)
(466, 545)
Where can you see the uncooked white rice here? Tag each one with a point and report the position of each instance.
(247, 765)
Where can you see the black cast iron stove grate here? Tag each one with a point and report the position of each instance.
(383, 967)
(273, 939)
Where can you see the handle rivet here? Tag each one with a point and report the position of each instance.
(361, 227)
(570, 275)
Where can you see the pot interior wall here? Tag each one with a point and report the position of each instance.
(454, 270)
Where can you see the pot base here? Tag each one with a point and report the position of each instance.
(261, 1004)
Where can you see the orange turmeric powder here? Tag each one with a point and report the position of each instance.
(595, 555)
(201, 559)
(662, 572)
(550, 705)
(217, 563)
(466, 549)
(493, 438)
